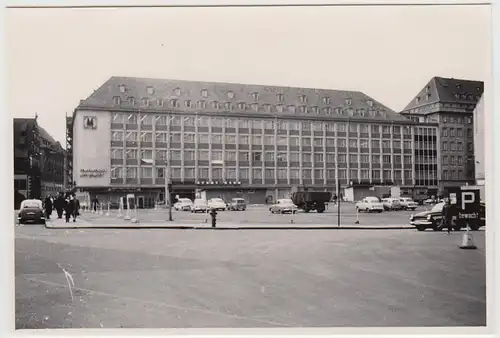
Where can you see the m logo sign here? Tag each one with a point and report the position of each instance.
(90, 122)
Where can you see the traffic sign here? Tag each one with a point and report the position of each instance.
(469, 204)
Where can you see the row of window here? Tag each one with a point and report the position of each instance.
(453, 175)
(456, 119)
(118, 172)
(453, 160)
(456, 146)
(456, 132)
(161, 137)
(245, 156)
(220, 122)
(231, 95)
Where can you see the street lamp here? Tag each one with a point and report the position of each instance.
(167, 185)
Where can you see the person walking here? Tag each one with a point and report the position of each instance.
(76, 207)
(447, 214)
(59, 205)
(68, 208)
(48, 206)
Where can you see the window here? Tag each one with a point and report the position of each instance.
(386, 129)
(303, 109)
(117, 136)
(282, 141)
(216, 155)
(203, 173)
(118, 118)
(407, 174)
(376, 159)
(365, 174)
(354, 174)
(161, 120)
(204, 155)
(306, 157)
(189, 155)
(330, 174)
(279, 98)
(230, 123)
(230, 139)
(353, 158)
(306, 173)
(131, 172)
(327, 110)
(174, 103)
(244, 156)
(315, 110)
(131, 100)
(189, 121)
(365, 158)
(203, 138)
(407, 144)
(230, 155)
(294, 174)
(189, 138)
(353, 128)
(460, 160)
(269, 174)
(407, 159)
(131, 136)
(231, 174)
(293, 141)
(145, 102)
(460, 146)
(215, 105)
(175, 155)
(386, 174)
(306, 126)
(342, 158)
(318, 158)
(216, 139)
(375, 128)
(396, 144)
(204, 93)
(255, 96)
(353, 143)
(318, 142)
(132, 119)
(294, 157)
(146, 154)
(348, 102)
(375, 174)
(257, 173)
(177, 91)
(330, 142)
(376, 144)
(146, 172)
(397, 159)
(116, 172)
(175, 138)
(319, 174)
(256, 156)
(303, 99)
(363, 143)
(268, 140)
(342, 174)
(117, 154)
(326, 100)
(122, 88)
(341, 143)
(161, 155)
(189, 173)
(268, 125)
(291, 109)
(146, 137)
(386, 159)
(280, 108)
(243, 124)
(386, 144)
(228, 106)
(306, 141)
(341, 127)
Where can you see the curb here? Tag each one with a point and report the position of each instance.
(191, 227)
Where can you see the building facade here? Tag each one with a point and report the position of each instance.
(227, 140)
(38, 161)
(450, 104)
(479, 143)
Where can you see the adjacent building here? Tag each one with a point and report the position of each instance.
(450, 104)
(38, 161)
(258, 142)
(479, 138)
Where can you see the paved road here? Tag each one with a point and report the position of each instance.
(185, 278)
(261, 215)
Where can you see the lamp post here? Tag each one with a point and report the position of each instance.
(167, 190)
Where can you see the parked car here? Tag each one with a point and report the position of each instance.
(431, 219)
(237, 204)
(408, 203)
(183, 204)
(217, 204)
(391, 203)
(311, 200)
(370, 204)
(199, 205)
(283, 206)
(31, 211)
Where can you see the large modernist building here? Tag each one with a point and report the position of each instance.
(38, 161)
(223, 139)
(450, 104)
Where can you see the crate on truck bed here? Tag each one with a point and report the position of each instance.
(311, 200)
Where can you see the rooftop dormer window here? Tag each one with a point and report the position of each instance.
(174, 103)
(280, 98)
(202, 104)
(427, 96)
(122, 88)
(177, 92)
(188, 103)
(361, 112)
(242, 106)
(131, 100)
(255, 96)
(417, 99)
(145, 102)
(326, 100)
(327, 110)
(228, 106)
(348, 102)
(280, 108)
(216, 105)
(204, 93)
(303, 109)
(303, 99)
(338, 111)
(315, 110)
(267, 107)
(230, 95)
(117, 100)
(159, 103)
(291, 109)
(370, 103)
(150, 90)
(255, 106)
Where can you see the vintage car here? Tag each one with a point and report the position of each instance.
(283, 206)
(370, 204)
(183, 204)
(199, 205)
(431, 219)
(391, 203)
(217, 204)
(31, 211)
(237, 204)
(408, 203)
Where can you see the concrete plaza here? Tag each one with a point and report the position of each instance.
(158, 278)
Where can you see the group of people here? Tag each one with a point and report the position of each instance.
(63, 203)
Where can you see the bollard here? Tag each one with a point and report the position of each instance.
(213, 213)
(127, 214)
(357, 216)
(135, 220)
(120, 209)
(100, 209)
(107, 214)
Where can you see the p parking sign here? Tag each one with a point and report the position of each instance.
(468, 205)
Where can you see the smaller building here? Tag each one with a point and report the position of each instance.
(38, 161)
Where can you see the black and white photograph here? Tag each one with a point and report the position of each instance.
(250, 167)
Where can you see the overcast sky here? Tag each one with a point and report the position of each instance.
(58, 56)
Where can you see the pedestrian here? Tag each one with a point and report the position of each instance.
(334, 199)
(59, 205)
(447, 215)
(68, 208)
(96, 202)
(48, 206)
(76, 207)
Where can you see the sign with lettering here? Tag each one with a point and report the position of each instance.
(469, 204)
(92, 173)
(90, 122)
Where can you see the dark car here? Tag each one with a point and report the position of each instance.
(31, 212)
(237, 204)
(431, 219)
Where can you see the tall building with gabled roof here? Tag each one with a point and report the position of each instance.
(450, 103)
(227, 139)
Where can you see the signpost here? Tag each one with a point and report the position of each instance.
(468, 205)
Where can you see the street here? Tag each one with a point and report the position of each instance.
(159, 278)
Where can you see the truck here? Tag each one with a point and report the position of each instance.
(311, 200)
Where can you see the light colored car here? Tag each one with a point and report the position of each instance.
(183, 204)
(370, 204)
(283, 206)
(199, 205)
(217, 204)
(237, 204)
(408, 203)
(391, 203)
(31, 211)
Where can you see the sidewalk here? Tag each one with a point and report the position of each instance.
(84, 224)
